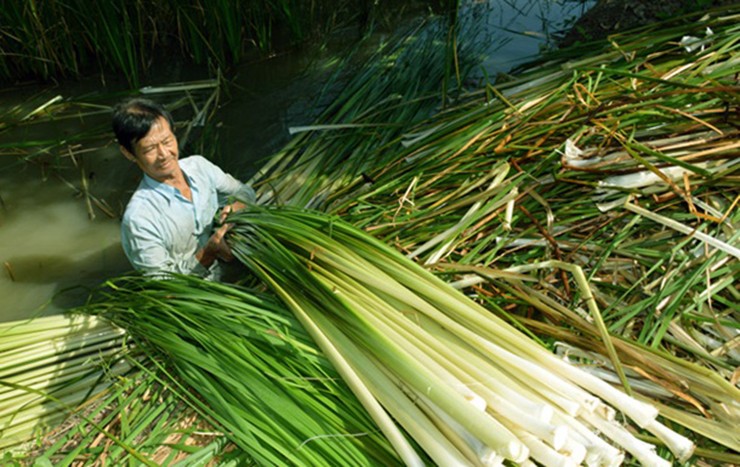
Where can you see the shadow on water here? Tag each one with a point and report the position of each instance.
(56, 269)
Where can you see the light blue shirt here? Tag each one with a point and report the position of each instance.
(162, 230)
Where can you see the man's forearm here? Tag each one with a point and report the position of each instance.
(215, 248)
(206, 256)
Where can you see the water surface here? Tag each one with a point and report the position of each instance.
(49, 243)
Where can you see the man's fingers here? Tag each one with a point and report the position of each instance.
(228, 209)
(224, 213)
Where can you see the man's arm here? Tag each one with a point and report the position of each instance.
(216, 248)
(225, 184)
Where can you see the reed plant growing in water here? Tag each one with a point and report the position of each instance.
(57, 38)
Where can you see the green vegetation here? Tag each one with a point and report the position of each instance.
(46, 370)
(71, 38)
(254, 371)
(617, 165)
(584, 206)
(466, 385)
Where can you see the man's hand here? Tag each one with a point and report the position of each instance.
(218, 243)
(228, 209)
(216, 248)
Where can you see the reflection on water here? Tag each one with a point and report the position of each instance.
(47, 242)
(526, 27)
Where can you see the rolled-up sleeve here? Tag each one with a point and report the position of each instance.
(226, 185)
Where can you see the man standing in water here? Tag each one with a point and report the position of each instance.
(168, 223)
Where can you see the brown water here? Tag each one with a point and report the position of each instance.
(50, 249)
(48, 243)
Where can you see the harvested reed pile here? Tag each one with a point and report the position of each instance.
(619, 168)
(49, 365)
(469, 388)
(590, 202)
(244, 363)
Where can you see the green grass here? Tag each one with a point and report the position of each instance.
(58, 38)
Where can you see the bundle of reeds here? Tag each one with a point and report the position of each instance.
(50, 365)
(470, 388)
(242, 361)
(619, 167)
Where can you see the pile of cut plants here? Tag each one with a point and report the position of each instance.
(537, 271)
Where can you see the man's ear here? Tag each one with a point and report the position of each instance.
(127, 154)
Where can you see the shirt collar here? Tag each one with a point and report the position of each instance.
(168, 191)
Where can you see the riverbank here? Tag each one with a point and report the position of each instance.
(611, 16)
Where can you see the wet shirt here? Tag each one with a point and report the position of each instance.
(162, 230)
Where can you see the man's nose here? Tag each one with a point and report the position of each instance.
(161, 150)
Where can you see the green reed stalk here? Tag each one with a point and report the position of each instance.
(256, 374)
(320, 263)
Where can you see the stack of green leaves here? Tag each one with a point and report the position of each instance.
(617, 158)
(468, 387)
(243, 362)
(49, 365)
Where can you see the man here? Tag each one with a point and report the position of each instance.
(168, 223)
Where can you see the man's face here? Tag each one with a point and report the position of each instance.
(156, 153)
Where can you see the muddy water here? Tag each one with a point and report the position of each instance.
(50, 249)
(48, 244)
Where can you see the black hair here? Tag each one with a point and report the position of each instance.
(133, 118)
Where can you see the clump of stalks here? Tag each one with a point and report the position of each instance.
(49, 366)
(240, 360)
(621, 165)
(468, 387)
(57, 38)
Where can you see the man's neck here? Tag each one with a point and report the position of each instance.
(175, 179)
(178, 181)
